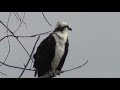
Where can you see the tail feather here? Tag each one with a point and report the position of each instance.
(36, 72)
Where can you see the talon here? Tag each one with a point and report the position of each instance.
(58, 72)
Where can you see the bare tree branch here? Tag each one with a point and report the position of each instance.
(46, 19)
(29, 57)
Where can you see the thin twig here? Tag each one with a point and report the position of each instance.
(15, 66)
(29, 57)
(75, 67)
(46, 19)
(16, 16)
(7, 40)
(20, 18)
(3, 74)
(7, 36)
(25, 36)
(21, 21)
(15, 37)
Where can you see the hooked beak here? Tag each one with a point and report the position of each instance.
(70, 29)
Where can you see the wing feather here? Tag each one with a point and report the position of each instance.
(44, 55)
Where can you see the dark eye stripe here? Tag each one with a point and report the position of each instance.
(61, 28)
(66, 27)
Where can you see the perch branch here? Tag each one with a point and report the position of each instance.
(75, 67)
(48, 75)
(51, 73)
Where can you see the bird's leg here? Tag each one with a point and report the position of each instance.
(54, 72)
(58, 72)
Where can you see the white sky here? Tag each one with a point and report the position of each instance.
(95, 37)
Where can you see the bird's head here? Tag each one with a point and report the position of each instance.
(62, 26)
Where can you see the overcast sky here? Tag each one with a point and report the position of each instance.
(95, 37)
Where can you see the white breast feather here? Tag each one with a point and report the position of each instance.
(59, 48)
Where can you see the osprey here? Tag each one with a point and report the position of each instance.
(52, 51)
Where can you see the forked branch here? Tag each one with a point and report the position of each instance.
(29, 57)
